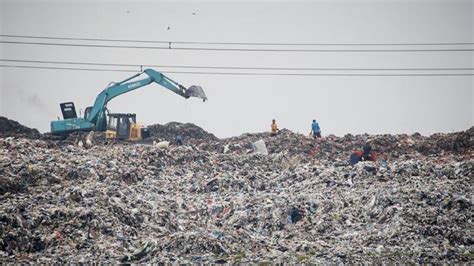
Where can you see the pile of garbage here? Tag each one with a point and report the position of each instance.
(188, 132)
(10, 127)
(224, 202)
(338, 148)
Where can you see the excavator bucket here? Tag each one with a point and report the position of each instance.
(196, 91)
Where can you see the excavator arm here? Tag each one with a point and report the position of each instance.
(95, 117)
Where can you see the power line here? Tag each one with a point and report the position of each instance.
(239, 49)
(236, 43)
(236, 68)
(63, 68)
(70, 63)
(244, 74)
(79, 39)
(321, 75)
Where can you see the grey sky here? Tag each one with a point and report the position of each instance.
(240, 104)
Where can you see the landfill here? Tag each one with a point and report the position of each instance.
(216, 201)
(188, 132)
(10, 127)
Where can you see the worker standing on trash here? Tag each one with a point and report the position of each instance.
(274, 128)
(179, 140)
(315, 130)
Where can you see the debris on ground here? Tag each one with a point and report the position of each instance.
(188, 132)
(224, 203)
(260, 147)
(10, 128)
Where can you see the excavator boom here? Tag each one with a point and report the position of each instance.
(95, 116)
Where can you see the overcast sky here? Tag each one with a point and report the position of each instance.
(239, 104)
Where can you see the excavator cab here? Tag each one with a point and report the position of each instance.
(125, 127)
(68, 110)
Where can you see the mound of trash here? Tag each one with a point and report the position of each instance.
(337, 148)
(10, 127)
(255, 198)
(188, 132)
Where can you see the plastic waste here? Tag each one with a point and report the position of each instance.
(259, 147)
(132, 203)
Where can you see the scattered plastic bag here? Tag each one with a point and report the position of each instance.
(260, 147)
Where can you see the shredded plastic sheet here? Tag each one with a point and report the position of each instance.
(259, 147)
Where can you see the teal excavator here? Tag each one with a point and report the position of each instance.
(121, 126)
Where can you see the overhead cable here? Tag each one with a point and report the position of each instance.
(238, 49)
(245, 74)
(234, 43)
(235, 68)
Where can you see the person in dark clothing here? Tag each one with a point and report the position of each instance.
(367, 150)
(179, 140)
(363, 154)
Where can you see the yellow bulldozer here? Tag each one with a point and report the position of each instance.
(125, 127)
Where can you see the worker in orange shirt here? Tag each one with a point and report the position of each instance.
(274, 128)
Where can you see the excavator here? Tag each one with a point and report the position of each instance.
(118, 125)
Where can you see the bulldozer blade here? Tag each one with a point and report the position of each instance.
(196, 91)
